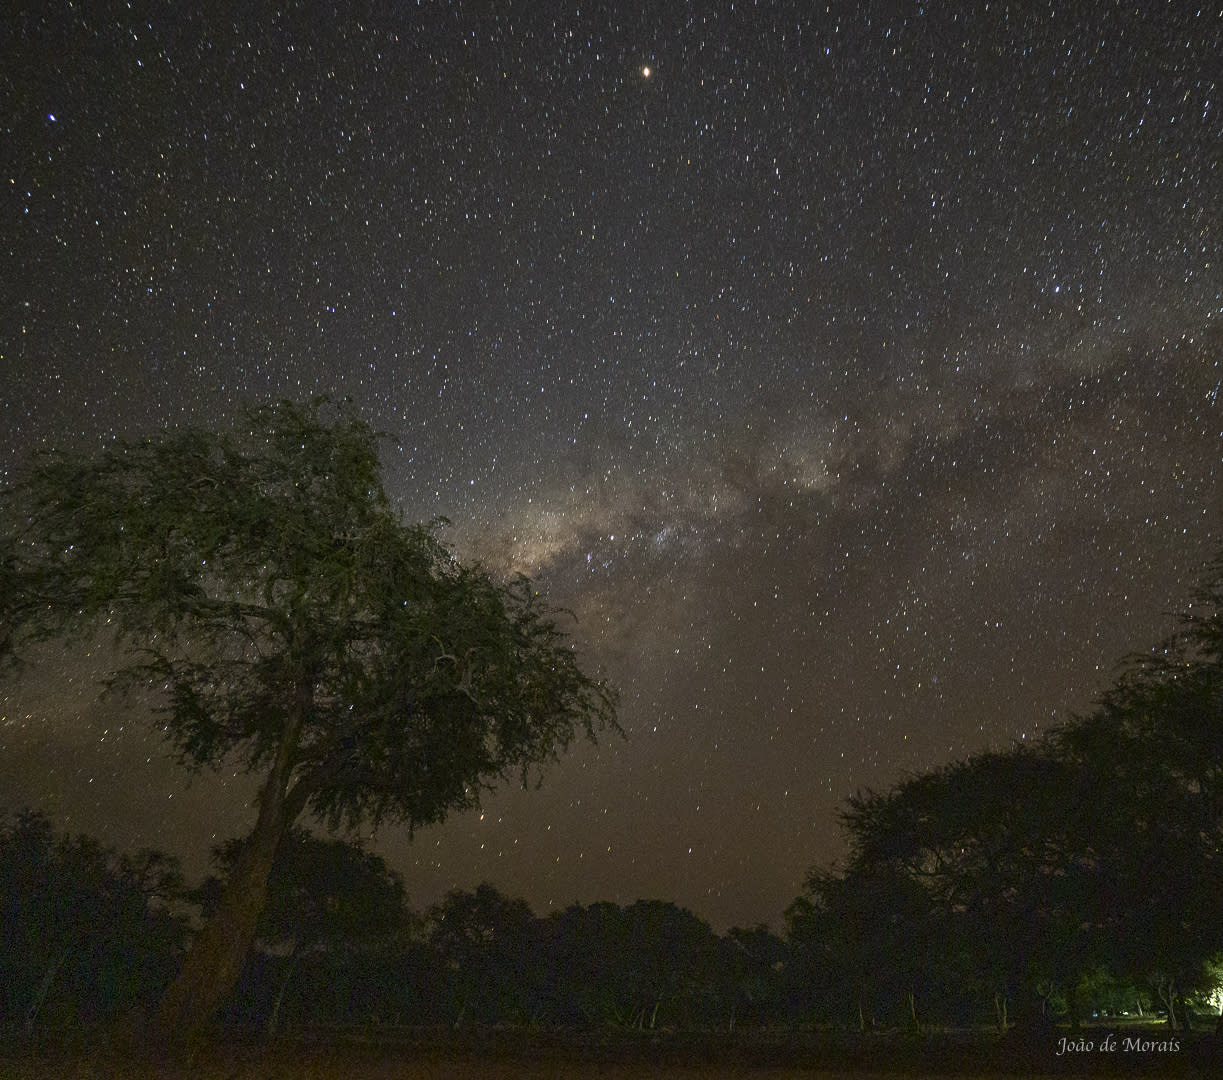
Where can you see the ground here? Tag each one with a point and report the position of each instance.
(637, 1056)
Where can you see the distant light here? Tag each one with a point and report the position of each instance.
(51, 116)
(645, 71)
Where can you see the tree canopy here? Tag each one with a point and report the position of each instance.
(84, 930)
(1040, 868)
(261, 587)
(323, 896)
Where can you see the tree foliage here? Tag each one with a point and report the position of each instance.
(647, 965)
(261, 586)
(84, 930)
(324, 896)
(322, 893)
(485, 946)
(1046, 870)
(264, 580)
(1154, 749)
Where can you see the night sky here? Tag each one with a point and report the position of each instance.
(853, 373)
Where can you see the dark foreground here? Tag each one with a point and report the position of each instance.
(514, 1055)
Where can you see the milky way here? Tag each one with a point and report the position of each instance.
(853, 375)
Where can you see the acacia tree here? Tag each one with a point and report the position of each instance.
(261, 586)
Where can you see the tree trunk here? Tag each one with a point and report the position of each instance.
(214, 963)
(274, 1019)
(215, 960)
(1072, 1007)
(1167, 994)
(44, 985)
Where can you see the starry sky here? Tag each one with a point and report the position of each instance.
(852, 372)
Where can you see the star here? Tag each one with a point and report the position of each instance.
(913, 366)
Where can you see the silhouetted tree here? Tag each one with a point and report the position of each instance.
(996, 845)
(77, 917)
(1153, 748)
(643, 966)
(324, 896)
(269, 597)
(586, 955)
(672, 964)
(869, 935)
(484, 942)
(1094, 856)
(750, 975)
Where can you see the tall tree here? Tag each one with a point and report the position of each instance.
(1154, 747)
(262, 587)
(1096, 851)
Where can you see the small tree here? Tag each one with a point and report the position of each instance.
(81, 924)
(485, 941)
(993, 845)
(751, 962)
(868, 934)
(261, 586)
(324, 896)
